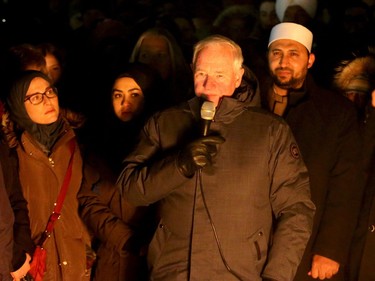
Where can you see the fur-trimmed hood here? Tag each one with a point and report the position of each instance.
(357, 73)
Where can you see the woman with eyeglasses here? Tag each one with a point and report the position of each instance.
(45, 141)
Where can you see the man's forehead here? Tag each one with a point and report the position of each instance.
(286, 44)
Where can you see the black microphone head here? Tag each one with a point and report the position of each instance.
(208, 110)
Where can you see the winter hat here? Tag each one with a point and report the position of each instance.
(292, 31)
(308, 5)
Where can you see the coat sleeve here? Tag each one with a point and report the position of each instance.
(21, 229)
(6, 232)
(150, 172)
(345, 187)
(96, 196)
(291, 205)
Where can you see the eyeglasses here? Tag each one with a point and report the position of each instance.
(35, 99)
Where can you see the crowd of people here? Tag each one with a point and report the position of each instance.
(188, 140)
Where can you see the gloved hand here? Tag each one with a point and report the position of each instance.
(198, 154)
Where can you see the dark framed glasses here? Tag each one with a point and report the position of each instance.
(37, 98)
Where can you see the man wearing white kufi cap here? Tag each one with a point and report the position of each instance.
(326, 129)
(292, 31)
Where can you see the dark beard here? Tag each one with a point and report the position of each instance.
(287, 85)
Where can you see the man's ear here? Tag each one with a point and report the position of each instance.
(239, 77)
(311, 60)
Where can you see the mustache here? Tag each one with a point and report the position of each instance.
(282, 68)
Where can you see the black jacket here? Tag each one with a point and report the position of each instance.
(257, 177)
(326, 129)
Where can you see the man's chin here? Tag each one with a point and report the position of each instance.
(283, 84)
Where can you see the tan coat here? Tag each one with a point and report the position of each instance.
(41, 179)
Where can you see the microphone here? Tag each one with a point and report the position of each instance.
(207, 114)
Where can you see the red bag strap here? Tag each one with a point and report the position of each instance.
(61, 197)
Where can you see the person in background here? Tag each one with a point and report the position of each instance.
(235, 22)
(304, 12)
(54, 61)
(134, 94)
(255, 46)
(16, 244)
(158, 48)
(6, 232)
(298, 11)
(224, 191)
(44, 141)
(25, 57)
(57, 70)
(121, 231)
(355, 79)
(16, 59)
(363, 244)
(325, 126)
(266, 20)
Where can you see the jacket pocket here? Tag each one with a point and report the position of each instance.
(258, 245)
(157, 245)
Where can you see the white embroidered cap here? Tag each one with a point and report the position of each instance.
(292, 31)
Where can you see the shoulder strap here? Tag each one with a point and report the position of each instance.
(61, 197)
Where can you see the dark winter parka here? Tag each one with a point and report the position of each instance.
(258, 181)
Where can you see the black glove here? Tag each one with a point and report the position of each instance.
(198, 154)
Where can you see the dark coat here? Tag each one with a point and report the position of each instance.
(326, 129)
(6, 231)
(362, 249)
(21, 238)
(119, 228)
(255, 179)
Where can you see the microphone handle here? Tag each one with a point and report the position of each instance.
(206, 127)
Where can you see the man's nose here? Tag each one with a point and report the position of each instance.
(283, 60)
(209, 82)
